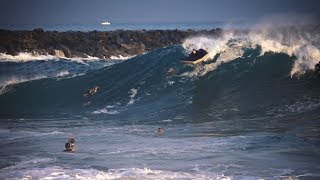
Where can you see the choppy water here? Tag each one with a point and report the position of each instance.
(251, 112)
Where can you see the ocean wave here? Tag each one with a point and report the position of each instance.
(223, 84)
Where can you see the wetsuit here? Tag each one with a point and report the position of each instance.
(199, 54)
(72, 140)
(318, 67)
(68, 147)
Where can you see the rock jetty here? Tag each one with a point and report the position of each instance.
(101, 44)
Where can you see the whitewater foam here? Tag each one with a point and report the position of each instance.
(24, 57)
(105, 111)
(120, 57)
(58, 172)
(62, 73)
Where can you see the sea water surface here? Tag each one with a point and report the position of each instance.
(251, 112)
(129, 26)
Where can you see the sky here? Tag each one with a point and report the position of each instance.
(149, 11)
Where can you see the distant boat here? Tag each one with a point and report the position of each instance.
(105, 23)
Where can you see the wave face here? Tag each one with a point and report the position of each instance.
(257, 95)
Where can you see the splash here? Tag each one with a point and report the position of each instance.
(62, 73)
(229, 46)
(105, 111)
(133, 93)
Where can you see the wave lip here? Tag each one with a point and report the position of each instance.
(4, 85)
(15, 80)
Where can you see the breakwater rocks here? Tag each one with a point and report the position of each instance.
(101, 44)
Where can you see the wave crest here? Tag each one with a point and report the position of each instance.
(297, 42)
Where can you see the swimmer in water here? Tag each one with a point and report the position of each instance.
(171, 72)
(92, 91)
(70, 145)
(160, 131)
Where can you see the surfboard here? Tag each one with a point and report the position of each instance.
(204, 58)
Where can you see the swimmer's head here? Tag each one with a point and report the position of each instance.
(194, 51)
(72, 140)
(160, 130)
